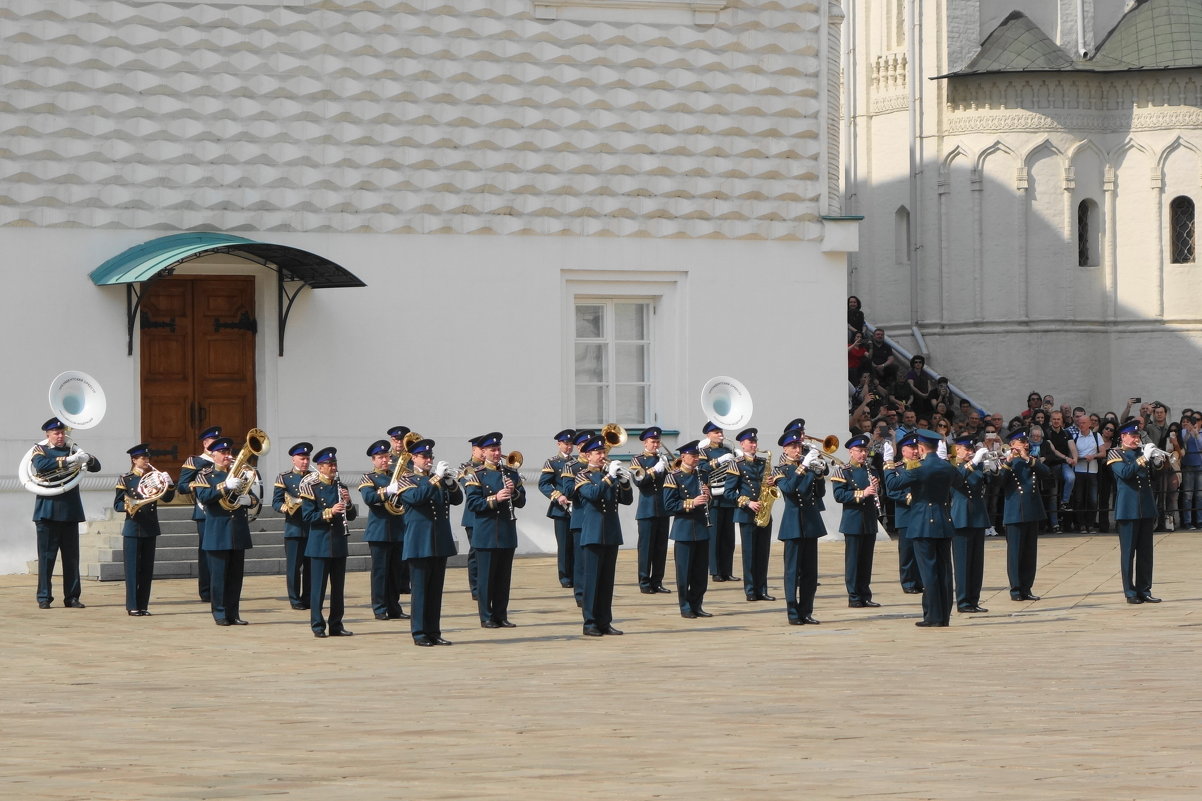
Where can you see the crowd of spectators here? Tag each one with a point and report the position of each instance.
(1071, 440)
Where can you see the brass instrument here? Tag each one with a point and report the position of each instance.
(511, 463)
(245, 467)
(393, 505)
(826, 449)
(768, 494)
(151, 487)
(614, 436)
(78, 400)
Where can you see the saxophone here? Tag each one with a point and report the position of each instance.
(769, 494)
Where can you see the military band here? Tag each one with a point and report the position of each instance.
(225, 498)
(428, 492)
(285, 499)
(686, 497)
(559, 505)
(857, 489)
(326, 506)
(384, 532)
(493, 492)
(1133, 465)
(192, 466)
(653, 520)
(140, 531)
(745, 482)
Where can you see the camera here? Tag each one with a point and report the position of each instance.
(1137, 400)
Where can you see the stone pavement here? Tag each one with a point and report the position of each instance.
(1077, 696)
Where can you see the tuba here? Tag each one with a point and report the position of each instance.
(393, 505)
(257, 443)
(78, 400)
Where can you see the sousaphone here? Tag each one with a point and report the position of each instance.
(726, 402)
(78, 400)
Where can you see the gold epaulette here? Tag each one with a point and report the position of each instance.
(1113, 455)
(366, 481)
(583, 477)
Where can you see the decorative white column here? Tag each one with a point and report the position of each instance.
(1020, 251)
(1158, 256)
(1110, 245)
(976, 185)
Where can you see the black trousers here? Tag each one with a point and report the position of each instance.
(722, 541)
(298, 577)
(203, 578)
(56, 537)
(495, 577)
(578, 567)
(386, 577)
(600, 562)
(1135, 556)
(225, 582)
(907, 567)
(565, 551)
(801, 577)
(692, 560)
(858, 550)
(756, 545)
(653, 551)
(428, 574)
(934, 557)
(139, 571)
(1022, 551)
(968, 565)
(473, 567)
(330, 570)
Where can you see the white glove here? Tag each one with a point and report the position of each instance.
(623, 475)
(234, 483)
(811, 458)
(980, 455)
(441, 469)
(246, 500)
(887, 451)
(392, 488)
(660, 466)
(612, 470)
(1149, 449)
(79, 458)
(724, 459)
(718, 491)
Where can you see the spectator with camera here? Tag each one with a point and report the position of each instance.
(1191, 471)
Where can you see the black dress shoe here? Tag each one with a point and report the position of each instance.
(423, 641)
(923, 624)
(1015, 597)
(855, 604)
(489, 624)
(753, 597)
(798, 622)
(505, 624)
(381, 617)
(566, 586)
(398, 616)
(662, 588)
(1134, 599)
(143, 613)
(204, 599)
(592, 631)
(475, 597)
(441, 641)
(74, 603)
(43, 604)
(342, 633)
(647, 590)
(321, 635)
(810, 621)
(767, 597)
(237, 621)
(611, 630)
(1148, 599)
(299, 606)
(872, 604)
(717, 578)
(702, 613)
(979, 608)
(222, 622)
(689, 615)
(912, 591)
(729, 578)
(133, 613)
(1029, 597)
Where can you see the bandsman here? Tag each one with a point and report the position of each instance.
(428, 495)
(493, 493)
(57, 517)
(929, 484)
(1133, 466)
(568, 487)
(192, 466)
(600, 489)
(560, 506)
(907, 565)
(858, 490)
(1022, 515)
(652, 518)
(225, 498)
(802, 485)
(745, 481)
(140, 530)
(285, 499)
(686, 497)
(396, 438)
(384, 532)
(716, 460)
(468, 519)
(970, 517)
(326, 506)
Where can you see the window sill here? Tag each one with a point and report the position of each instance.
(686, 12)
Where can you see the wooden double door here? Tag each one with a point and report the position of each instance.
(198, 363)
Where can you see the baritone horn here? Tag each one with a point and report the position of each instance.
(245, 467)
(614, 436)
(78, 400)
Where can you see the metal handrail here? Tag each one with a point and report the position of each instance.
(897, 348)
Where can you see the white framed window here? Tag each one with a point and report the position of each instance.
(613, 361)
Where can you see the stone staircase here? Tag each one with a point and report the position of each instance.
(101, 557)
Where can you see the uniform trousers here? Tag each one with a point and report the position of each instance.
(600, 562)
(54, 537)
(578, 567)
(473, 566)
(299, 571)
(756, 545)
(801, 577)
(1022, 550)
(139, 571)
(858, 550)
(653, 551)
(1135, 555)
(565, 552)
(330, 570)
(934, 557)
(722, 541)
(911, 578)
(386, 577)
(428, 574)
(225, 582)
(968, 562)
(204, 580)
(496, 573)
(692, 560)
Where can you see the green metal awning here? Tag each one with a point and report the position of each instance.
(295, 269)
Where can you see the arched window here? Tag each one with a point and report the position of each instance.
(901, 235)
(1089, 234)
(1181, 230)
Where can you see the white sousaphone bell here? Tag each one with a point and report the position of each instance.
(78, 400)
(726, 402)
